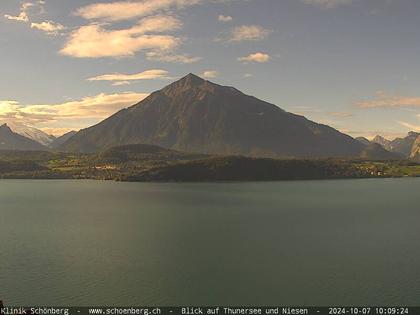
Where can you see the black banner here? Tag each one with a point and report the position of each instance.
(214, 310)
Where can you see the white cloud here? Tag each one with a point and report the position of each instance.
(123, 78)
(57, 131)
(225, 18)
(257, 57)
(385, 100)
(49, 27)
(249, 33)
(120, 83)
(94, 41)
(23, 14)
(340, 114)
(22, 17)
(327, 3)
(409, 126)
(126, 10)
(93, 108)
(162, 57)
(209, 74)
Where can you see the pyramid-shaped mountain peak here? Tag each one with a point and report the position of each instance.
(196, 115)
(188, 82)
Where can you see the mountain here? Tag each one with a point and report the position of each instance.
(195, 115)
(399, 145)
(375, 151)
(404, 145)
(363, 140)
(10, 140)
(31, 133)
(385, 143)
(62, 139)
(415, 151)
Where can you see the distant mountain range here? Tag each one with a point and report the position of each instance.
(407, 147)
(10, 140)
(31, 133)
(15, 136)
(195, 115)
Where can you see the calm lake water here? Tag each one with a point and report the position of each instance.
(284, 243)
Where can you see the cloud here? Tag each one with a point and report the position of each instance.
(327, 3)
(409, 126)
(383, 100)
(248, 33)
(22, 17)
(126, 10)
(257, 57)
(209, 74)
(49, 27)
(57, 131)
(340, 114)
(94, 41)
(120, 83)
(90, 108)
(224, 18)
(23, 14)
(123, 79)
(159, 56)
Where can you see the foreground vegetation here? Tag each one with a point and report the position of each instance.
(151, 163)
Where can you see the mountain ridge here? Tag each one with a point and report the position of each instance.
(10, 140)
(195, 115)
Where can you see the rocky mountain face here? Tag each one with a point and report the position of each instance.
(385, 143)
(195, 115)
(402, 146)
(415, 151)
(10, 140)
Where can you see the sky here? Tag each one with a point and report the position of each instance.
(351, 64)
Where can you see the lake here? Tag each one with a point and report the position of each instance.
(277, 243)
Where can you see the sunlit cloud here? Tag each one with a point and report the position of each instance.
(224, 18)
(94, 41)
(384, 100)
(257, 57)
(409, 126)
(327, 3)
(340, 114)
(123, 79)
(23, 14)
(49, 27)
(58, 131)
(92, 108)
(248, 33)
(121, 83)
(126, 10)
(173, 58)
(209, 74)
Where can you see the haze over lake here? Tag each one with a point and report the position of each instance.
(276, 243)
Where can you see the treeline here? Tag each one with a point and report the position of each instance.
(151, 163)
(237, 168)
